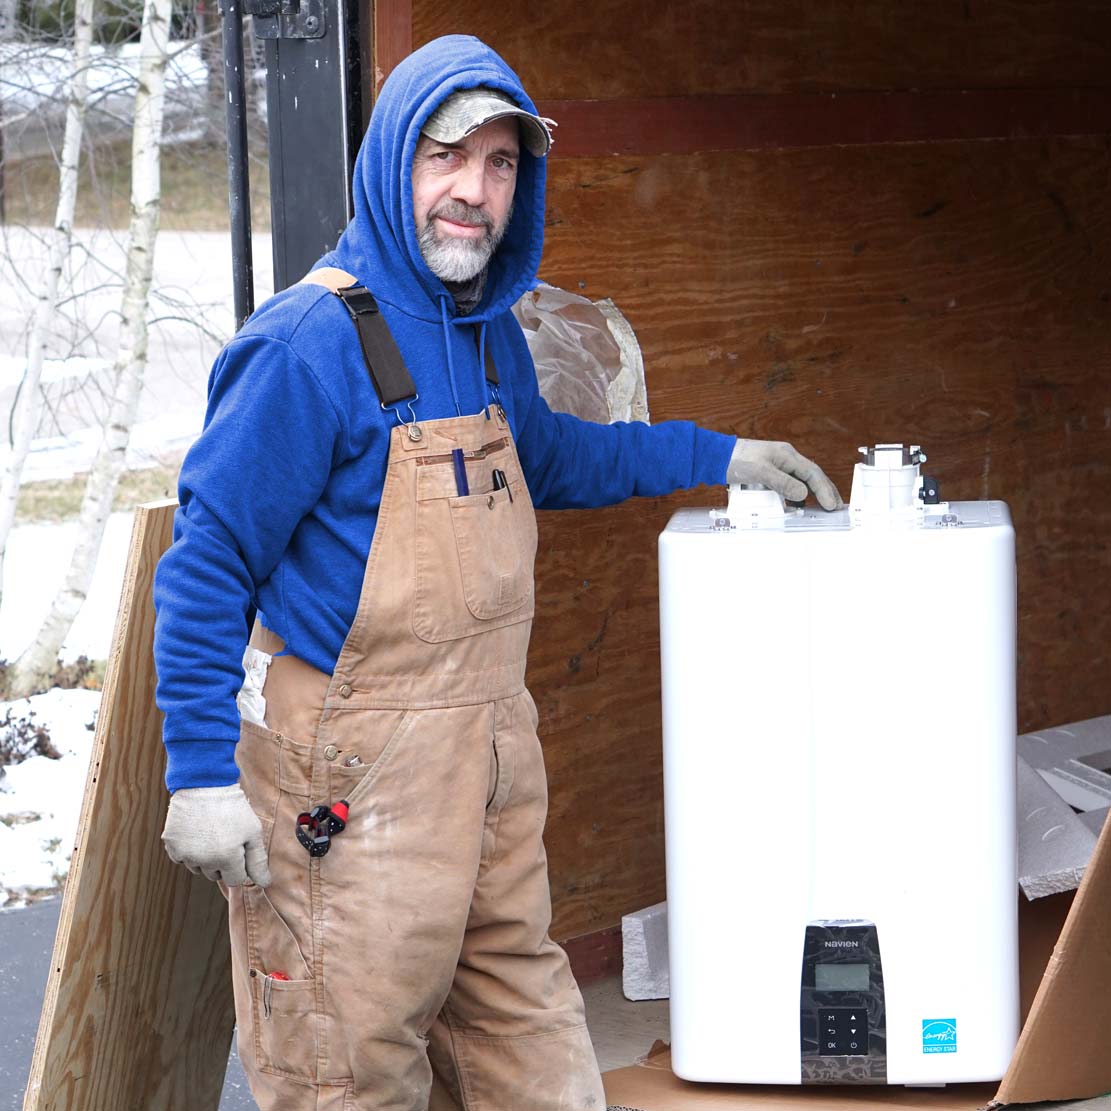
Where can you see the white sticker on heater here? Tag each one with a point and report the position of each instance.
(939, 1035)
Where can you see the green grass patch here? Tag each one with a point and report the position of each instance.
(194, 189)
(60, 500)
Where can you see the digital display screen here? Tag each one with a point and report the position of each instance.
(841, 977)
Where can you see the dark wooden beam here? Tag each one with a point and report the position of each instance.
(687, 125)
(596, 955)
(393, 36)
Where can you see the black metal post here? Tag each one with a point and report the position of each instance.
(239, 182)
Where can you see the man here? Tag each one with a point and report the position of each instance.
(410, 962)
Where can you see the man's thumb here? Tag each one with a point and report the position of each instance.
(258, 870)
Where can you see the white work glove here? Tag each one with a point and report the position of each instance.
(213, 830)
(782, 469)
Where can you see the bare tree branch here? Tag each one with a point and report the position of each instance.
(37, 662)
(23, 423)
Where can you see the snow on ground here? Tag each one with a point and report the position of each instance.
(35, 564)
(40, 799)
(36, 77)
(36, 85)
(191, 314)
(12, 368)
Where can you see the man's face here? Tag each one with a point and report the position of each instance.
(463, 197)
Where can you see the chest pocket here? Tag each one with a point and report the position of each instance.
(475, 554)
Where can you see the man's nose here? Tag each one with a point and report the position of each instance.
(469, 185)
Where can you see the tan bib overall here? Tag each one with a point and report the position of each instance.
(412, 962)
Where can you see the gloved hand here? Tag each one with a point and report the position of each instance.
(213, 830)
(782, 469)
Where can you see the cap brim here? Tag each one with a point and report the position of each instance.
(452, 122)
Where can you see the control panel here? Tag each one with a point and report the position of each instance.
(842, 1011)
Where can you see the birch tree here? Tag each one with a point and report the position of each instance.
(8, 26)
(8, 21)
(34, 667)
(60, 239)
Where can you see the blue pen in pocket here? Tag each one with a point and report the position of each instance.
(461, 486)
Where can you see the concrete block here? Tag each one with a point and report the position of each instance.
(644, 953)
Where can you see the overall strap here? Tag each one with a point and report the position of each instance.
(392, 380)
(491, 370)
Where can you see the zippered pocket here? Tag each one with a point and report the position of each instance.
(436, 473)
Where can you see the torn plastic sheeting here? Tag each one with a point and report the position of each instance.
(588, 361)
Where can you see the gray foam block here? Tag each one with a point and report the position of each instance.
(1053, 843)
(644, 951)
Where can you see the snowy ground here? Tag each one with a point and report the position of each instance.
(40, 798)
(36, 88)
(191, 315)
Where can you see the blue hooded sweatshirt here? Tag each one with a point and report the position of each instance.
(279, 495)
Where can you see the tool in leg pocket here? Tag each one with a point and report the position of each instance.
(268, 989)
(317, 827)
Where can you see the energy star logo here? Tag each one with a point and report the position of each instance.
(939, 1035)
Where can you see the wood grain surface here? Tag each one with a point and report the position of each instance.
(393, 36)
(632, 48)
(138, 1013)
(690, 125)
(956, 295)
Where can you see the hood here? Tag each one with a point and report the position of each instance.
(380, 245)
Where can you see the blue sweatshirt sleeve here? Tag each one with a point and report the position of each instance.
(269, 443)
(571, 463)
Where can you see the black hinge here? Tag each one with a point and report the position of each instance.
(287, 19)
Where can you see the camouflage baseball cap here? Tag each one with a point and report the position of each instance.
(468, 109)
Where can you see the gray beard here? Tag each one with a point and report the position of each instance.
(459, 260)
(456, 260)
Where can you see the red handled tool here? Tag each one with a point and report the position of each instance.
(317, 827)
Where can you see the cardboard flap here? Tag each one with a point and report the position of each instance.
(1062, 1052)
(650, 1085)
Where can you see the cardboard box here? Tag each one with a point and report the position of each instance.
(1063, 1052)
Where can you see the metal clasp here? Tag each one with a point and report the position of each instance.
(287, 19)
(411, 427)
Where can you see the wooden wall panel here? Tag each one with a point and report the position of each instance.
(632, 48)
(956, 295)
(955, 292)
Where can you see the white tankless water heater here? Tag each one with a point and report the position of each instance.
(839, 781)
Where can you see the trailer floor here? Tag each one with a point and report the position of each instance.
(622, 1031)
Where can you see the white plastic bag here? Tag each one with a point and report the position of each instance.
(587, 358)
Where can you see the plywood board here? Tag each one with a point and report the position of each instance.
(954, 294)
(138, 1014)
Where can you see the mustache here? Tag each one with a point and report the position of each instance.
(462, 213)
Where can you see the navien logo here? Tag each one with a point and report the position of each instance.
(842, 944)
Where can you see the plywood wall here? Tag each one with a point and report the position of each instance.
(956, 294)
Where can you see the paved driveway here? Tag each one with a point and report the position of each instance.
(26, 943)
